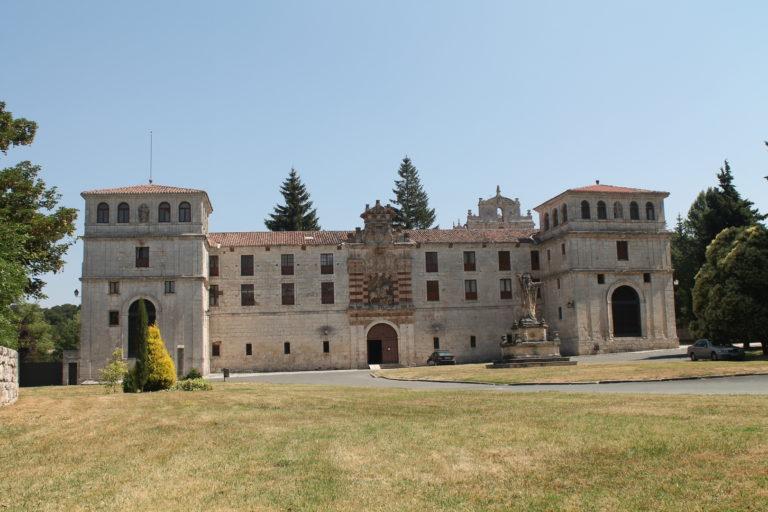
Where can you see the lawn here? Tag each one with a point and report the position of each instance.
(267, 447)
(582, 372)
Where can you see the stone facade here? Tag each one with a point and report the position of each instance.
(264, 301)
(9, 376)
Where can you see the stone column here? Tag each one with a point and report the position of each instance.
(9, 376)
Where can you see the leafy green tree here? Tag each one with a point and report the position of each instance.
(115, 370)
(14, 132)
(713, 210)
(730, 298)
(30, 206)
(12, 282)
(413, 211)
(34, 334)
(64, 320)
(297, 213)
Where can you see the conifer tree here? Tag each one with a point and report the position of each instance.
(297, 213)
(413, 211)
(161, 372)
(141, 370)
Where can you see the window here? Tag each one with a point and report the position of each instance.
(247, 297)
(286, 264)
(535, 265)
(436, 342)
(634, 211)
(142, 257)
(249, 349)
(504, 261)
(433, 291)
(469, 261)
(326, 293)
(123, 213)
(585, 213)
(164, 212)
(216, 349)
(559, 313)
(600, 278)
(102, 213)
(546, 221)
(650, 212)
(558, 283)
(287, 347)
(114, 287)
(602, 213)
(213, 266)
(470, 289)
(431, 262)
(170, 287)
(618, 210)
(549, 255)
(326, 263)
(213, 295)
(562, 249)
(564, 209)
(506, 288)
(622, 250)
(472, 341)
(287, 294)
(114, 318)
(246, 264)
(646, 277)
(555, 218)
(185, 212)
(326, 347)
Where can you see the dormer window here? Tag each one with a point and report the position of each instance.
(185, 212)
(164, 212)
(602, 212)
(102, 213)
(650, 212)
(618, 210)
(634, 211)
(123, 213)
(585, 213)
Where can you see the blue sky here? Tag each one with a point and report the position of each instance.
(535, 97)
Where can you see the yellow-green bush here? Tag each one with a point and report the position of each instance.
(162, 371)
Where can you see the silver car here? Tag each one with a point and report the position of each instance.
(707, 349)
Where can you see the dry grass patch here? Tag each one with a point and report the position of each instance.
(266, 447)
(582, 372)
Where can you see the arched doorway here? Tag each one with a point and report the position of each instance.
(133, 319)
(625, 306)
(382, 345)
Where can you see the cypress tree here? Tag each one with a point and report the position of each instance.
(141, 371)
(297, 213)
(413, 211)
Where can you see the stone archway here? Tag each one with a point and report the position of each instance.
(625, 310)
(382, 345)
(133, 318)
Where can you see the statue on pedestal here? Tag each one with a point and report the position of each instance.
(530, 290)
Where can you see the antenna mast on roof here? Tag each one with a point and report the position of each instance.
(150, 157)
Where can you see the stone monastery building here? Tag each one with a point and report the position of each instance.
(260, 301)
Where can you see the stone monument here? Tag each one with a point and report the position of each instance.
(527, 344)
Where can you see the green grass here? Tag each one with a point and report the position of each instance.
(582, 372)
(267, 447)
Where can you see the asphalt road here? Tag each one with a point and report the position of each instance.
(753, 385)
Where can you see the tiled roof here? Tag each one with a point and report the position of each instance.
(144, 189)
(609, 188)
(262, 238)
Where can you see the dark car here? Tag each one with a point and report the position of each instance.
(441, 357)
(707, 349)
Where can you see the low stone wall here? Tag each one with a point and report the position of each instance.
(9, 376)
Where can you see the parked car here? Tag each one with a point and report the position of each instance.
(707, 349)
(441, 357)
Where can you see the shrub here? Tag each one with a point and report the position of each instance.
(115, 370)
(193, 385)
(161, 372)
(129, 381)
(193, 374)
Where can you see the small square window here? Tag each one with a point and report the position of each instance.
(170, 287)
(114, 318)
(326, 347)
(600, 278)
(114, 287)
(287, 347)
(647, 277)
(436, 343)
(216, 349)
(472, 341)
(249, 349)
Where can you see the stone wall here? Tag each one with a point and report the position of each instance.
(9, 376)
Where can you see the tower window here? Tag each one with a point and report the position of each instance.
(102, 213)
